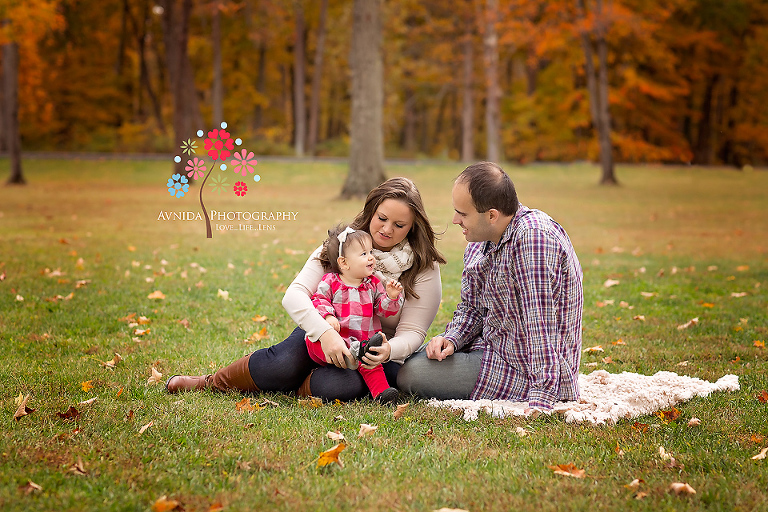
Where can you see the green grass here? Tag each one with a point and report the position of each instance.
(201, 451)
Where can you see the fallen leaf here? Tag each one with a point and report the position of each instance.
(129, 415)
(763, 397)
(145, 427)
(642, 427)
(639, 317)
(335, 436)
(112, 362)
(568, 470)
(756, 438)
(331, 456)
(87, 385)
(311, 402)
(23, 410)
(611, 282)
(400, 410)
(593, 364)
(618, 450)
(683, 363)
(758, 344)
(641, 495)
(760, 456)
(694, 422)
(261, 335)
(184, 322)
(649, 294)
(69, 414)
(596, 348)
(245, 405)
(707, 304)
(686, 325)
(163, 504)
(430, 433)
(78, 468)
(223, 294)
(141, 332)
(366, 429)
(119, 393)
(128, 318)
(742, 268)
(87, 402)
(634, 484)
(30, 487)
(521, 431)
(82, 282)
(216, 507)
(607, 360)
(259, 318)
(156, 376)
(738, 294)
(19, 298)
(618, 342)
(670, 415)
(157, 294)
(680, 488)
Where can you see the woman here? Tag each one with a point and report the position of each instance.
(404, 246)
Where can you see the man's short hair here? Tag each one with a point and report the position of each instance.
(490, 187)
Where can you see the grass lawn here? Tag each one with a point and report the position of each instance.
(84, 244)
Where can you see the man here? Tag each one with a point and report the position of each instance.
(521, 300)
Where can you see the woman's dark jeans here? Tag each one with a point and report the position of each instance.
(283, 368)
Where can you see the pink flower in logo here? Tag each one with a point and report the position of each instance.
(240, 189)
(195, 168)
(219, 149)
(243, 163)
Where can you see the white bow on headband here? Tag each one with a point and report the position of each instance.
(343, 236)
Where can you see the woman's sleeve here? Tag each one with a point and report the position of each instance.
(417, 315)
(297, 300)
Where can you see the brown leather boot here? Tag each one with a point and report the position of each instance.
(236, 377)
(304, 391)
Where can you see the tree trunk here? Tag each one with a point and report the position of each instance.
(317, 75)
(366, 152)
(468, 101)
(3, 147)
(597, 86)
(186, 112)
(299, 110)
(702, 153)
(408, 142)
(11, 110)
(493, 91)
(218, 84)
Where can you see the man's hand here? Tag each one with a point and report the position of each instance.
(377, 355)
(439, 348)
(333, 322)
(334, 348)
(394, 289)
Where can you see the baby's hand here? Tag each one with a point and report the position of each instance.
(334, 322)
(393, 289)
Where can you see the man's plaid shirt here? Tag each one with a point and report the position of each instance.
(522, 301)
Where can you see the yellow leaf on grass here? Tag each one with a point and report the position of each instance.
(681, 488)
(311, 402)
(157, 294)
(259, 318)
(758, 344)
(87, 385)
(245, 405)
(596, 348)
(366, 429)
(112, 362)
(156, 376)
(261, 335)
(568, 470)
(223, 294)
(618, 342)
(141, 332)
(163, 504)
(22, 410)
(331, 456)
(400, 410)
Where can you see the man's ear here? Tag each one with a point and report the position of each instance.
(493, 215)
(342, 262)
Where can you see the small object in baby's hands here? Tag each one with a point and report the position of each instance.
(360, 348)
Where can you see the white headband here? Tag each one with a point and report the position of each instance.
(343, 237)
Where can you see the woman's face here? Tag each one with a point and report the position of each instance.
(390, 224)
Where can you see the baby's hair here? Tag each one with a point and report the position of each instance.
(329, 256)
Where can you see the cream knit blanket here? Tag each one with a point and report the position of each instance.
(607, 398)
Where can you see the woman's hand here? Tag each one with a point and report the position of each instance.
(334, 348)
(378, 355)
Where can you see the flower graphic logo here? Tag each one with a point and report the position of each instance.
(240, 189)
(178, 185)
(219, 147)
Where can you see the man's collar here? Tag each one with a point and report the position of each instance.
(507, 235)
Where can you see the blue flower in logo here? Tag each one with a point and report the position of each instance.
(178, 185)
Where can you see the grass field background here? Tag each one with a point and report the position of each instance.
(693, 237)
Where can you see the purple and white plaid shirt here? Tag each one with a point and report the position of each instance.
(522, 301)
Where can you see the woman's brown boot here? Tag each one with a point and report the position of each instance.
(236, 376)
